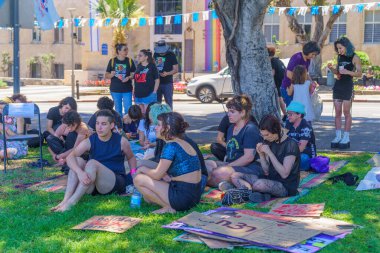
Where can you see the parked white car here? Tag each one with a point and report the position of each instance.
(212, 87)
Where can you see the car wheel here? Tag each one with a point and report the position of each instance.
(206, 94)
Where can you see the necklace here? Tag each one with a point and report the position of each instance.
(236, 130)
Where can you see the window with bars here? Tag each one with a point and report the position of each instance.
(79, 34)
(271, 28)
(305, 22)
(36, 34)
(339, 28)
(165, 8)
(59, 71)
(372, 27)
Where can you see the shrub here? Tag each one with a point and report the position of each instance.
(3, 84)
(364, 58)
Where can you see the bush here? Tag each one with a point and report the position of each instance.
(364, 58)
(3, 84)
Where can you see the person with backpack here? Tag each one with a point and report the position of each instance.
(120, 70)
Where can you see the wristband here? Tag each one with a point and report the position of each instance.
(133, 171)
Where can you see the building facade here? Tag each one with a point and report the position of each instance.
(199, 46)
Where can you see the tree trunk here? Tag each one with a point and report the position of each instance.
(246, 52)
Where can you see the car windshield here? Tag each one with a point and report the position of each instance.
(225, 71)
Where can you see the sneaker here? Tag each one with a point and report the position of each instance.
(257, 197)
(225, 186)
(345, 141)
(236, 196)
(337, 139)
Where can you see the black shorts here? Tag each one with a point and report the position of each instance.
(253, 168)
(121, 182)
(183, 196)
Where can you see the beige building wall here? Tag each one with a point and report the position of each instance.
(94, 63)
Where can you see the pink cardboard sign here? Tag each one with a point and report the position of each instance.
(115, 224)
(299, 210)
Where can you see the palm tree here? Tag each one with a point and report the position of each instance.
(119, 9)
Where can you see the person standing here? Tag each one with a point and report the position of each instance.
(167, 66)
(309, 51)
(121, 70)
(146, 80)
(349, 66)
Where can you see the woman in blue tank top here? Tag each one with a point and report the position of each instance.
(175, 184)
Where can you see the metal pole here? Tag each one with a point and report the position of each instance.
(193, 52)
(72, 56)
(16, 47)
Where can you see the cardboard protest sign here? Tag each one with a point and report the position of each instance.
(371, 180)
(252, 229)
(115, 224)
(327, 226)
(299, 210)
(53, 185)
(374, 161)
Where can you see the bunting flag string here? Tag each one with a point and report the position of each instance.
(178, 19)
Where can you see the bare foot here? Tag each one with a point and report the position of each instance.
(57, 206)
(164, 210)
(64, 207)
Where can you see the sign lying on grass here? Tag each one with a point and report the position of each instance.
(115, 224)
(299, 210)
(371, 181)
(374, 161)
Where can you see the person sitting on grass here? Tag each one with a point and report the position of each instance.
(66, 137)
(105, 103)
(280, 160)
(147, 133)
(104, 173)
(13, 126)
(131, 122)
(175, 184)
(242, 138)
(55, 114)
(301, 132)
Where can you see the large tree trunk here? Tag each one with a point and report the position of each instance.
(246, 52)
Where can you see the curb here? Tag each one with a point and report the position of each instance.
(357, 100)
(95, 100)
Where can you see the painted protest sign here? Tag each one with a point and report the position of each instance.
(298, 210)
(115, 224)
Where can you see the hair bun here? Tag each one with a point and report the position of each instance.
(184, 126)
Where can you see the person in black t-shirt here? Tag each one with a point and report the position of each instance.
(242, 138)
(218, 149)
(167, 65)
(105, 103)
(55, 114)
(280, 161)
(146, 80)
(120, 70)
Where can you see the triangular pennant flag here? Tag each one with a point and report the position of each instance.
(186, 18)
(142, 22)
(133, 21)
(83, 21)
(115, 22)
(76, 22)
(281, 11)
(99, 23)
(214, 15)
(336, 9)
(291, 11)
(206, 15)
(178, 19)
(159, 20)
(314, 10)
(347, 8)
(302, 11)
(61, 23)
(359, 8)
(325, 10)
(124, 22)
(107, 22)
(271, 10)
(168, 20)
(195, 17)
(151, 21)
(91, 23)
(369, 6)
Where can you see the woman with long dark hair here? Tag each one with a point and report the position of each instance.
(120, 70)
(349, 66)
(175, 184)
(147, 80)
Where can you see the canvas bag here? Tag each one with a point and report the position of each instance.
(317, 104)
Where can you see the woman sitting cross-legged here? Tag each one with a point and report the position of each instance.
(175, 184)
(280, 160)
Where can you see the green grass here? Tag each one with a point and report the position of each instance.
(27, 225)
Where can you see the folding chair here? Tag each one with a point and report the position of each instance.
(21, 110)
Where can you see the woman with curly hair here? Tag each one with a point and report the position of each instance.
(348, 66)
(175, 184)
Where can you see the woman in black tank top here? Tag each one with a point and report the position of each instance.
(349, 66)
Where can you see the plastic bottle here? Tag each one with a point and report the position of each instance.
(136, 199)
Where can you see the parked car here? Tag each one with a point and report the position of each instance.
(208, 88)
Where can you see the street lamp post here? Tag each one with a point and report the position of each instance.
(71, 10)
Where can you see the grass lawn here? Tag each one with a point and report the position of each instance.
(28, 225)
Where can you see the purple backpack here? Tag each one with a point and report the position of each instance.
(320, 164)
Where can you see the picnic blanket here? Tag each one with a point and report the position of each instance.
(308, 181)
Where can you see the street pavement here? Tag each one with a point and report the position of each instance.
(204, 118)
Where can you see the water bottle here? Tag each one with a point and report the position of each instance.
(136, 199)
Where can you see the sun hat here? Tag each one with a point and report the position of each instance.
(161, 47)
(296, 107)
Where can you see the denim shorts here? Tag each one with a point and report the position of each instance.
(146, 100)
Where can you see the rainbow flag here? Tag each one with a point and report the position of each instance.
(213, 30)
